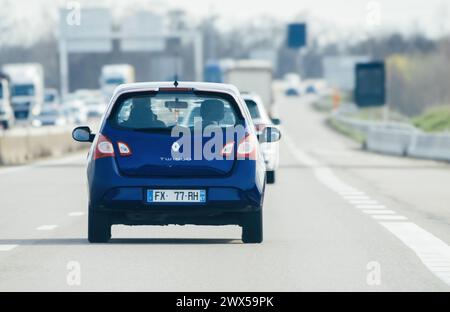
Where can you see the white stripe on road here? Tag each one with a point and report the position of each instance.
(47, 227)
(389, 217)
(7, 247)
(363, 202)
(356, 197)
(380, 212)
(76, 214)
(370, 206)
(433, 252)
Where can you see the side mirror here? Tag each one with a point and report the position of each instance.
(270, 134)
(276, 121)
(83, 134)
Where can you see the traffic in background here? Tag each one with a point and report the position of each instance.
(358, 197)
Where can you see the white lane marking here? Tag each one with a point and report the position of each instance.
(76, 214)
(380, 212)
(47, 227)
(433, 252)
(389, 217)
(7, 247)
(356, 197)
(363, 202)
(370, 206)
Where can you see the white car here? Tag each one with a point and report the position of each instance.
(76, 112)
(50, 117)
(261, 119)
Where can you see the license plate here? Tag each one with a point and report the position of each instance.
(176, 196)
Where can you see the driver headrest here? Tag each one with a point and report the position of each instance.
(212, 110)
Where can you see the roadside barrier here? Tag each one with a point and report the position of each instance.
(397, 138)
(22, 145)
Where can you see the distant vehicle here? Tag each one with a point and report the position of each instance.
(253, 76)
(213, 72)
(311, 90)
(292, 92)
(51, 99)
(50, 117)
(76, 112)
(27, 89)
(114, 75)
(93, 101)
(136, 177)
(6, 111)
(292, 79)
(270, 151)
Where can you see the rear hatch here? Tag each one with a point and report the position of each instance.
(152, 155)
(153, 150)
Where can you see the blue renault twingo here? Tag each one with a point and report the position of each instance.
(169, 153)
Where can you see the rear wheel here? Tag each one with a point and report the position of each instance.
(270, 177)
(252, 228)
(99, 227)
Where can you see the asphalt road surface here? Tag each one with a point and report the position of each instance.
(338, 219)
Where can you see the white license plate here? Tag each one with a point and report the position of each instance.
(176, 196)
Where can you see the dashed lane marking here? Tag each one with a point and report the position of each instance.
(7, 247)
(47, 227)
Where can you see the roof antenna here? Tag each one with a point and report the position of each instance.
(175, 83)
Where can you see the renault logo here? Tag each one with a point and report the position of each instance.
(175, 147)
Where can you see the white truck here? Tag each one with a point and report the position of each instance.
(6, 112)
(27, 90)
(253, 76)
(114, 75)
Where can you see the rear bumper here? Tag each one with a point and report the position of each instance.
(124, 198)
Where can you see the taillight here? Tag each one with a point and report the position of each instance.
(227, 150)
(247, 148)
(104, 147)
(124, 149)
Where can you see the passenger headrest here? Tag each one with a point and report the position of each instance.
(212, 110)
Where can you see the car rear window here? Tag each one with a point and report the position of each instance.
(253, 109)
(167, 110)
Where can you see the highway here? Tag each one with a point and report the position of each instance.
(338, 219)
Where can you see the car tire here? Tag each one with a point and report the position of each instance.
(99, 227)
(270, 177)
(252, 228)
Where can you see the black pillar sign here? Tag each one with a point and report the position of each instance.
(370, 85)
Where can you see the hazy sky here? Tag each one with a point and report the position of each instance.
(432, 16)
(25, 21)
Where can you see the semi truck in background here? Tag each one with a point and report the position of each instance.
(6, 111)
(114, 75)
(27, 89)
(254, 76)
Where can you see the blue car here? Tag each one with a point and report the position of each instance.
(152, 164)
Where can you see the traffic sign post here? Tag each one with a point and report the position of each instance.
(95, 32)
(297, 39)
(370, 84)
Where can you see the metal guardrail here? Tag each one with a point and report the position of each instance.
(398, 138)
